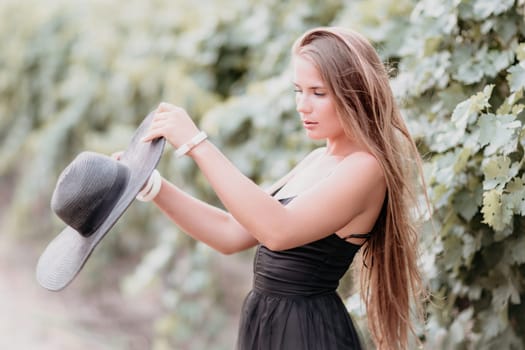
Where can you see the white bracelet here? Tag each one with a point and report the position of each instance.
(195, 140)
(148, 186)
(152, 187)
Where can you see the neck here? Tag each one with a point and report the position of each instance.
(342, 147)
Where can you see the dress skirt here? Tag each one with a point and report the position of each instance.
(277, 322)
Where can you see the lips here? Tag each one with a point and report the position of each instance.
(309, 124)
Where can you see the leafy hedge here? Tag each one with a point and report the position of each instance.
(460, 77)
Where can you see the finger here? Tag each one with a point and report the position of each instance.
(151, 135)
(117, 155)
(148, 138)
(160, 116)
(165, 107)
(159, 126)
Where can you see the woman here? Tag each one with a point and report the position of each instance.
(354, 193)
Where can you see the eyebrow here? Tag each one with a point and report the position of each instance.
(310, 87)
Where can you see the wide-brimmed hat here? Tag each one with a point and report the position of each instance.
(91, 194)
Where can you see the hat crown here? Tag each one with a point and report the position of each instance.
(87, 190)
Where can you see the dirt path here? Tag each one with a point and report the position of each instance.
(32, 318)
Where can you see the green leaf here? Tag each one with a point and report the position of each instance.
(452, 95)
(472, 63)
(452, 245)
(495, 213)
(462, 160)
(431, 71)
(506, 29)
(516, 77)
(468, 72)
(495, 61)
(467, 203)
(465, 113)
(502, 294)
(516, 194)
(520, 52)
(511, 101)
(444, 168)
(473, 105)
(499, 132)
(440, 195)
(498, 171)
(459, 328)
(493, 323)
(484, 8)
(471, 244)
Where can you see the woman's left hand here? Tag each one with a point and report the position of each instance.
(173, 123)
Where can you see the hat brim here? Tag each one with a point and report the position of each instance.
(67, 253)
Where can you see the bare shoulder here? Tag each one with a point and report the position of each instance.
(362, 167)
(358, 184)
(362, 158)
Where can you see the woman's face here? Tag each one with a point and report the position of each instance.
(315, 103)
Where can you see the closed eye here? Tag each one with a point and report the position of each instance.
(319, 94)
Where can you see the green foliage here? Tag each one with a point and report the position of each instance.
(460, 79)
(73, 78)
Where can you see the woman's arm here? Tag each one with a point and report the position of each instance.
(206, 223)
(354, 190)
(345, 195)
(202, 221)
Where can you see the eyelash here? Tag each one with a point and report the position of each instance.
(319, 94)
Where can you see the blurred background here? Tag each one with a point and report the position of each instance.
(81, 75)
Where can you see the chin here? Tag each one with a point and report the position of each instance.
(314, 136)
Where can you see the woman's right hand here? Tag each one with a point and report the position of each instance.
(117, 155)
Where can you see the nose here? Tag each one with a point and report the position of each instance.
(303, 104)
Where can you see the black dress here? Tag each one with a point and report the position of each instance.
(294, 304)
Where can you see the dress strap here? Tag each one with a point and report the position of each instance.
(358, 235)
(276, 191)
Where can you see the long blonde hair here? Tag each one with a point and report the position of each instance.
(390, 279)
